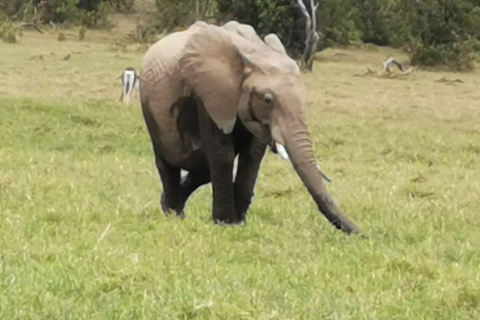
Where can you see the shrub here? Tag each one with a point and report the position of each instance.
(98, 18)
(284, 18)
(7, 31)
(95, 5)
(60, 10)
(370, 18)
(11, 7)
(93, 13)
(434, 32)
(457, 55)
(441, 32)
(336, 24)
(274, 16)
(122, 5)
(179, 14)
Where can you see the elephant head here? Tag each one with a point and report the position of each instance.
(236, 74)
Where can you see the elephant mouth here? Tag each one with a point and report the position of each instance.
(275, 146)
(279, 150)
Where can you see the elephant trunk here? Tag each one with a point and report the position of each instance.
(299, 148)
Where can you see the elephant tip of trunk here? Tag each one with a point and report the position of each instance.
(348, 227)
(352, 229)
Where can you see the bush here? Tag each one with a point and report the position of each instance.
(441, 32)
(432, 31)
(122, 5)
(284, 18)
(95, 5)
(98, 18)
(11, 7)
(92, 13)
(7, 31)
(273, 16)
(370, 18)
(173, 15)
(17, 9)
(459, 55)
(335, 22)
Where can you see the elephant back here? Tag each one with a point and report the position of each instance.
(161, 59)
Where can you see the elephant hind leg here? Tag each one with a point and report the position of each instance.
(171, 199)
(192, 181)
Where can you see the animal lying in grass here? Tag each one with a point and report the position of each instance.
(211, 93)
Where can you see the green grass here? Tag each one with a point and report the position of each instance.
(82, 235)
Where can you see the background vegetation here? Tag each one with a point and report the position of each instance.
(82, 235)
(432, 32)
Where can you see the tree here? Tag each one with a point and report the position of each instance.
(311, 34)
(437, 32)
(273, 16)
(179, 14)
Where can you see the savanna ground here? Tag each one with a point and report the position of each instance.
(82, 235)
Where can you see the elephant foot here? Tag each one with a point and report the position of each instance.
(227, 216)
(236, 220)
(243, 217)
(168, 207)
(229, 222)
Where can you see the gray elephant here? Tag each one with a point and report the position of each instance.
(211, 93)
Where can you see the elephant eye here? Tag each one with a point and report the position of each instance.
(268, 98)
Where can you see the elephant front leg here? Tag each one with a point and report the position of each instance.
(248, 167)
(220, 152)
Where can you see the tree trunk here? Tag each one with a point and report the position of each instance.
(312, 36)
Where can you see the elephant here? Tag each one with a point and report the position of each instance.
(211, 93)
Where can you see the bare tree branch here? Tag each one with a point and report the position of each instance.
(306, 15)
(29, 24)
(314, 7)
(312, 36)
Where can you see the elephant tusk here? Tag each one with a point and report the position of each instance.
(281, 151)
(323, 174)
(235, 168)
(183, 175)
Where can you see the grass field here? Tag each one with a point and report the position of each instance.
(82, 235)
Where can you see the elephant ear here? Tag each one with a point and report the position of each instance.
(244, 30)
(274, 42)
(284, 63)
(212, 66)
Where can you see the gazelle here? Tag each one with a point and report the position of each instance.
(130, 82)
